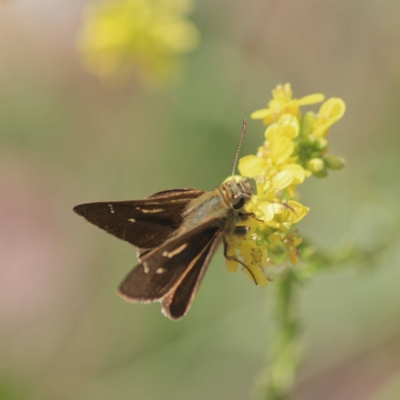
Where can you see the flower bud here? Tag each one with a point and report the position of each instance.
(315, 165)
(321, 143)
(308, 123)
(321, 174)
(276, 247)
(334, 162)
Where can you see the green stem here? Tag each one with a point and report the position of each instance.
(276, 380)
(285, 352)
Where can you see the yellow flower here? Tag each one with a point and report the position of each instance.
(330, 112)
(293, 143)
(250, 166)
(254, 249)
(274, 161)
(142, 35)
(298, 172)
(233, 243)
(255, 257)
(291, 242)
(287, 126)
(282, 102)
(281, 149)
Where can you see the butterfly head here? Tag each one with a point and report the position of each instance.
(238, 191)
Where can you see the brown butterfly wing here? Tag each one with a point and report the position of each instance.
(177, 302)
(144, 223)
(162, 270)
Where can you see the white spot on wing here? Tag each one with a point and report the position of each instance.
(132, 220)
(172, 253)
(146, 268)
(161, 270)
(111, 208)
(154, 210)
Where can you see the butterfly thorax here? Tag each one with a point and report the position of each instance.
(222, 205)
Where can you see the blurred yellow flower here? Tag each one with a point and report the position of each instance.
(146, 36)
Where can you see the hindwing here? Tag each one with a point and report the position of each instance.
(162, 270)
(177, 302)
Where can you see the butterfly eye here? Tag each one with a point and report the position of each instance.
(238, 202)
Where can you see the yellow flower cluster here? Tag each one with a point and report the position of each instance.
(294, 145)
(142, 35)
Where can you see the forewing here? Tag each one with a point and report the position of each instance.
(164, 268)
(144, 223)
(178, 301)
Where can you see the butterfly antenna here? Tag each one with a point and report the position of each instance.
(240, 145)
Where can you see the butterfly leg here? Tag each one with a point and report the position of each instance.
(287, 206)
(244, 216)
(241, 231)
(232, 258)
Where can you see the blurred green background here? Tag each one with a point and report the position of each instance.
(68, 138)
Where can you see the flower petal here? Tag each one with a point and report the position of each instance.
(333, 108)
(251, 166)
(297, 171)
(266, 211)
(281, 149)
(289, 125)
(311, 99)
(260, 114)
(294, 255)
(272, 132)
(231, 265)
(300, 211)
(258, 275)
(282, 180)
